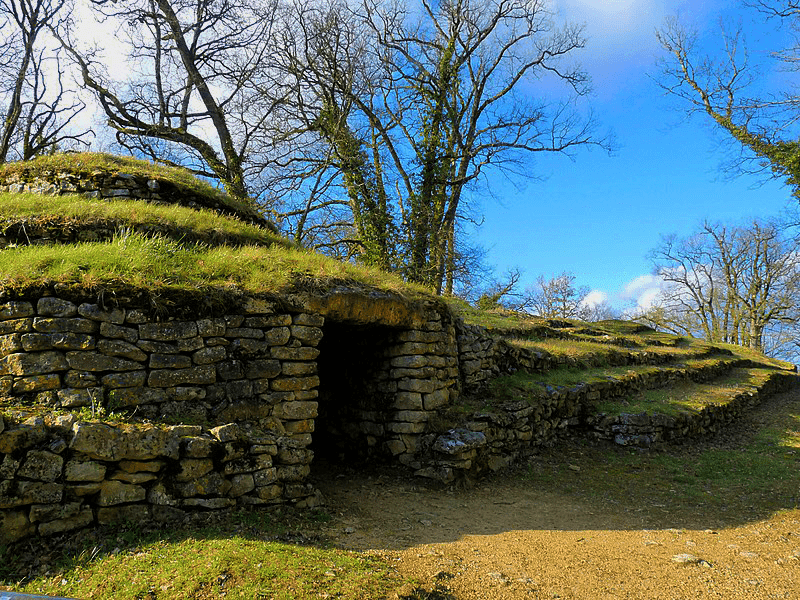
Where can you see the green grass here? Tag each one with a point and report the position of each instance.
(244, 556)
(86, 163)
(72, 210)
(159, 265)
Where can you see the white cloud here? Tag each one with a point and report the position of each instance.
(643, 290)
(594, 298)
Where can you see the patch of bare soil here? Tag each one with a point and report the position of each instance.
(504, 540)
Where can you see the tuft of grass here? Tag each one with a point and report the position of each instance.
(73, 209)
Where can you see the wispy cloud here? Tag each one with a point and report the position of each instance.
(643, 291)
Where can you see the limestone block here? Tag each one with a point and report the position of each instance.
(278, 336)
(233, 320)
(167, 514)
(238, 390)
(6, 385)
(209, 503)
(190, 344)
(159, 496)
(269, 493)
(289, 384)
(15, 310)
(309, 336)
(395, 447)
(227, 433)
(122, 349)
(80, 379)
(26, 364)
(288, 353)
(293, 472)
(95, 313)
(405, 427)
(97, 440)
(117, 492)
(211, 484)
(9, 466)
(410, 362)
(250, 464)
(36, 342)
(34, 492)
(94, 361)
(136, 317)
(167, 332)
(415, 335)
(294, 369)
(207, 356)
(10, 343)
(199, 375)
(81, 518)
(84, 471)
(192, 468)
(248, 409)
(309, 319)
(265, 477)
(14, 526)
(244, 332)
(412, 416)
(63, 325)
(258, 306)
(211, 327)
(230, 369)
(262, 369)
(41, 466)
(265, 322)
(423, 386)
(16, 326)
(49, 512)
(135, 513)
(37, 383)
(424, 373)
(56, 307)
(241, 484)
(436, 399)
(124, 380)
(134, 396)
(169, 361)
(25, 436)
(159, 347)
(135, 478)
(71, 397)
(303, 426)
(306, 394)
(247, 348)
(296, 410)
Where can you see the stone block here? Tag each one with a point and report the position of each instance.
(411, 416)
(37, 383)
(211, 327)
(295, 369)
(26, 364)
(230, 369)
(14, 440)
(84, 471)
(190, 344)
(241, 484)
(136, 317)
(244, 332)
(207, 356)
(95, 313)
(287, 353)
(16, 326)
(134, 513)
(296, 410)
(159, 347)
(56, 307)
(34, 492)
(265, 477)
(10, 343)
(249, 464)
(59, 325)
(169, 361)
(227, 433)
(82, 518)
(79, 379)
(436, 399)
(211, 484)
(71, 397)
(304, 426)
(293, 472)
(41, 466)
(239, 390)
(309, 336)
(249, 348)
(209, 503)
(277, 336)
(117, 492)
(416, 361)
(122, 349)
(408, 401)
(257, 306)
(15, 310)
(9, 466)
(265, 322)
(168, 332)
(199, 375)
(405, 427)
(36, 342)
(192, 468)
(94, 361)
(422, 386)
(14, 526)
(134, 396)
(262, 369)
(49, 512)
(124, 380)
(290, 384)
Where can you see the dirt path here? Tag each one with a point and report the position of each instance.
(504, 540)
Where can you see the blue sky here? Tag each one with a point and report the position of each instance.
(599, 215)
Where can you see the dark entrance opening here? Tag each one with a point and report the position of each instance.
(355, 393)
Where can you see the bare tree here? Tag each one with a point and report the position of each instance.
(557, 298)
(765, 125)
(416, 105)
(193, 91)
(37, 110)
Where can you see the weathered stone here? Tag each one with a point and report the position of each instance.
(16, 326)
(412, 416)
(117, 492)
(257, 306)
(10, 344)
(310, 320)
(13, 440)
(35, 342)
(296, 410)
(50, 512)
(198, 447)
(227, 433)
(238, 390)
(410, 362)
(127, 397)
(136, 317)
(81, 518)
(304, 426)
(95, 313)
(185, 393)
(309, 336)
(209, 503)
(458, 441)
(262, 369)
(170, 361)
(199, 375)
(192, 468)
(190, 344)
(121, 348)
(289, 384)
(423, 386)
(405, 427)
(159, 347)
(408, 401)
(134, 513)
(286, 353)
(35, 363)
(211, 484)
(124, 380)
(56, 307)
(159, 496)
(14, 526)
(230, 369)
(71, 397)
(241, 484)
(36, 383)
(265, 322)
(9, 466)
(244, 332)
(211, 327)
(15, 310)
(141, 466)
(79, 379)
(277, 336)
(59, 325)
(248, 464)
(33, 492)
(395, 447)
(436, 399)
(167, 332)
(289, 455)
(167, 514)
(134, 478)
(206, 356)
(94, 361)
(293, 472)
(41, 466)
(97, 440)
(295, 369)
(84, 471)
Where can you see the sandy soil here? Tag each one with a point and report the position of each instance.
(503, 540)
